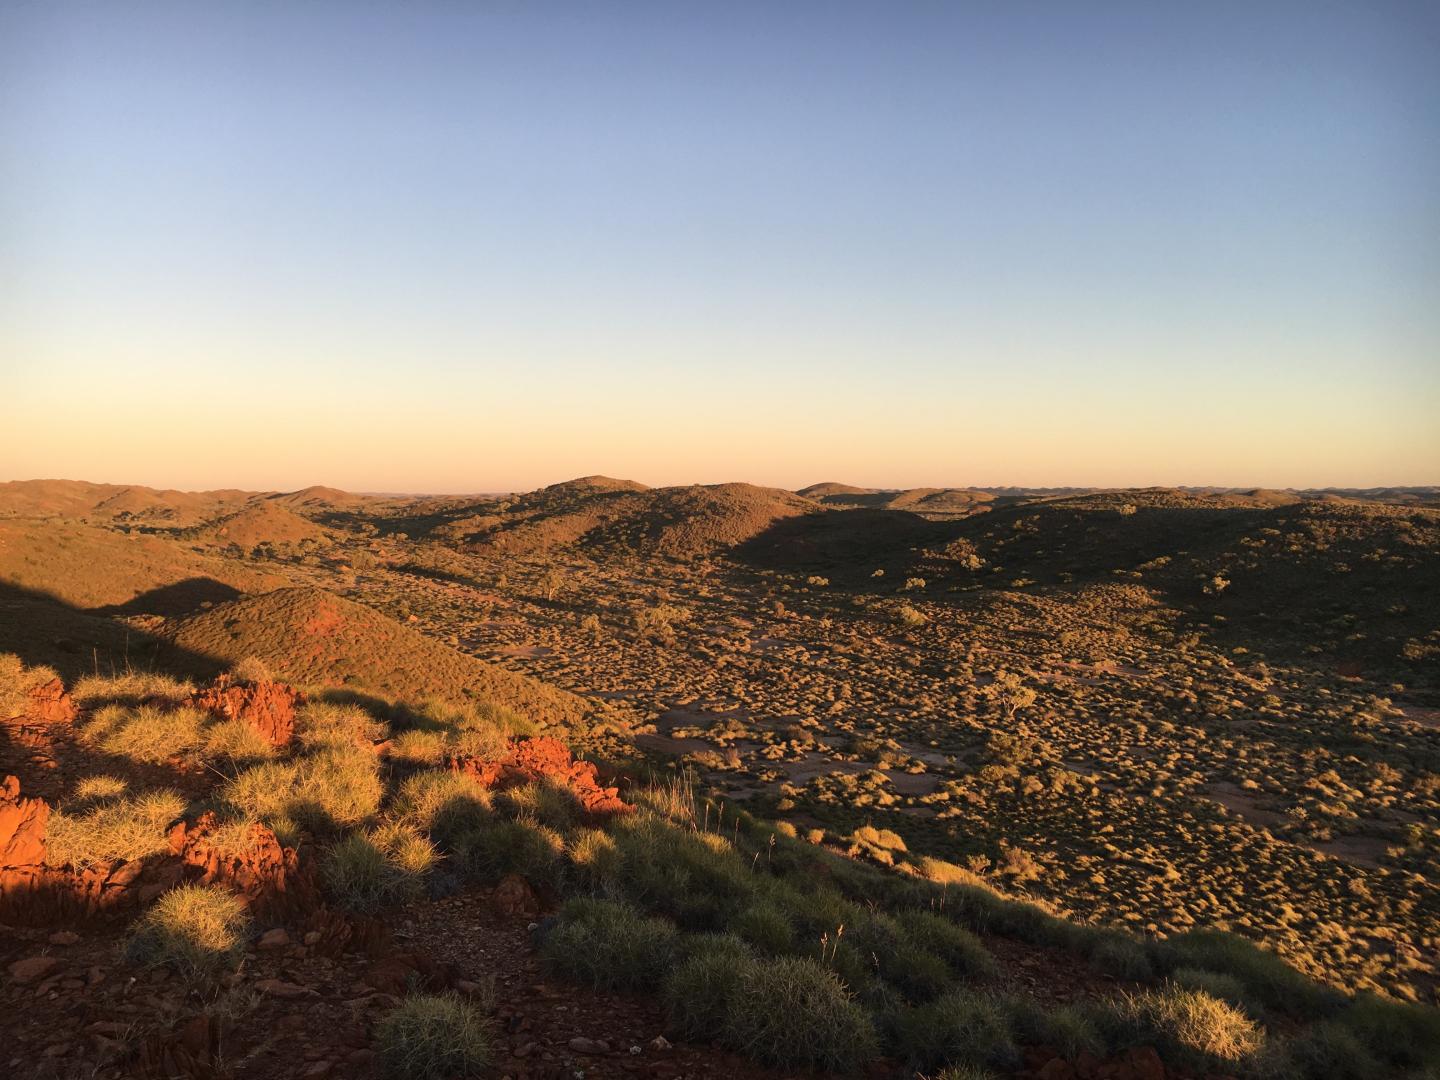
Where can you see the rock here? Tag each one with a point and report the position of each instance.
(273, 939)
(63, 937)
(268, 877)
(514, 897)
(540, 758)
(582, 1045)
(281, 989)
(1055, 1069)
(1142, 1063)
(268, 707)
(22, 831)
(660, 1043)
(313, 938)
(33, 968)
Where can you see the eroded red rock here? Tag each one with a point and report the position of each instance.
(50, 704)
(267, 876)
(268, 707)
(544, 758)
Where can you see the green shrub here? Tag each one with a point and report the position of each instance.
(432, 1037)
(610, 946)
(522, 847)
(1323, 1051)
(791, 1012)
(594, 857)
(1398, 1032)
(1225, 987)
(336, 726)
(1068, 1028)
(443, 803)
(961, 1028)
(1122, 956)
(369, 872)
(237, 741)
(146, 733)
(1189, 1027)
(331, 789)
(1270, 983)
(765, 927)
(548, 803)
(961, 950)
(196, 929)
(697, 993)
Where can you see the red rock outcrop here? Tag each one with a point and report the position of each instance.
(268, 707)
(268, 877)
(544, 758)
(22, 842)
(50, 704)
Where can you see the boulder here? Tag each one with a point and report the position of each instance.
(268, 707)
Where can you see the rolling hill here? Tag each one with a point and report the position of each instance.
(310, 636)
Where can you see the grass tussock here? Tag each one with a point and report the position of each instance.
(610, 946)
(112, 827)
(194, 929)
(433, 1037)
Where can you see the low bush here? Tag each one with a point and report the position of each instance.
(594, 858)
(961, 1028)
(369, 872)
(697, 993)
(610, 946)
(1188, 1027)
(195, 929)
(791, 1012)
(961, 950)
(765, 927)
(146, 733)
(433, 1037)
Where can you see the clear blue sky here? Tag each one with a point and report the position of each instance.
(434, 246)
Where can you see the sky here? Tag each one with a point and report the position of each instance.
(444, 246)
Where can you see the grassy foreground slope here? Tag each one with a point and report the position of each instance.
(310, 636)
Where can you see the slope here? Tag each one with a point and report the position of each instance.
(310, 636)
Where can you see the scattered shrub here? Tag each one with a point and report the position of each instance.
(698, 992)
(368, 872)
(433, 1037)
(961, 950)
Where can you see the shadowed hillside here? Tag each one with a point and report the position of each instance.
(90, 567)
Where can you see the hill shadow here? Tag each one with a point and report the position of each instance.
(42, 629)
(848, 545)
(178, 598)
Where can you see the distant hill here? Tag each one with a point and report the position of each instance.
(310, 636)
(936, 501)
(619, 517)
(263, 523)
(90, 567)
(118, 502)
(317, 496)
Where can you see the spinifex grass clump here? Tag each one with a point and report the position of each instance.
(195, 929)
(433, 1037)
